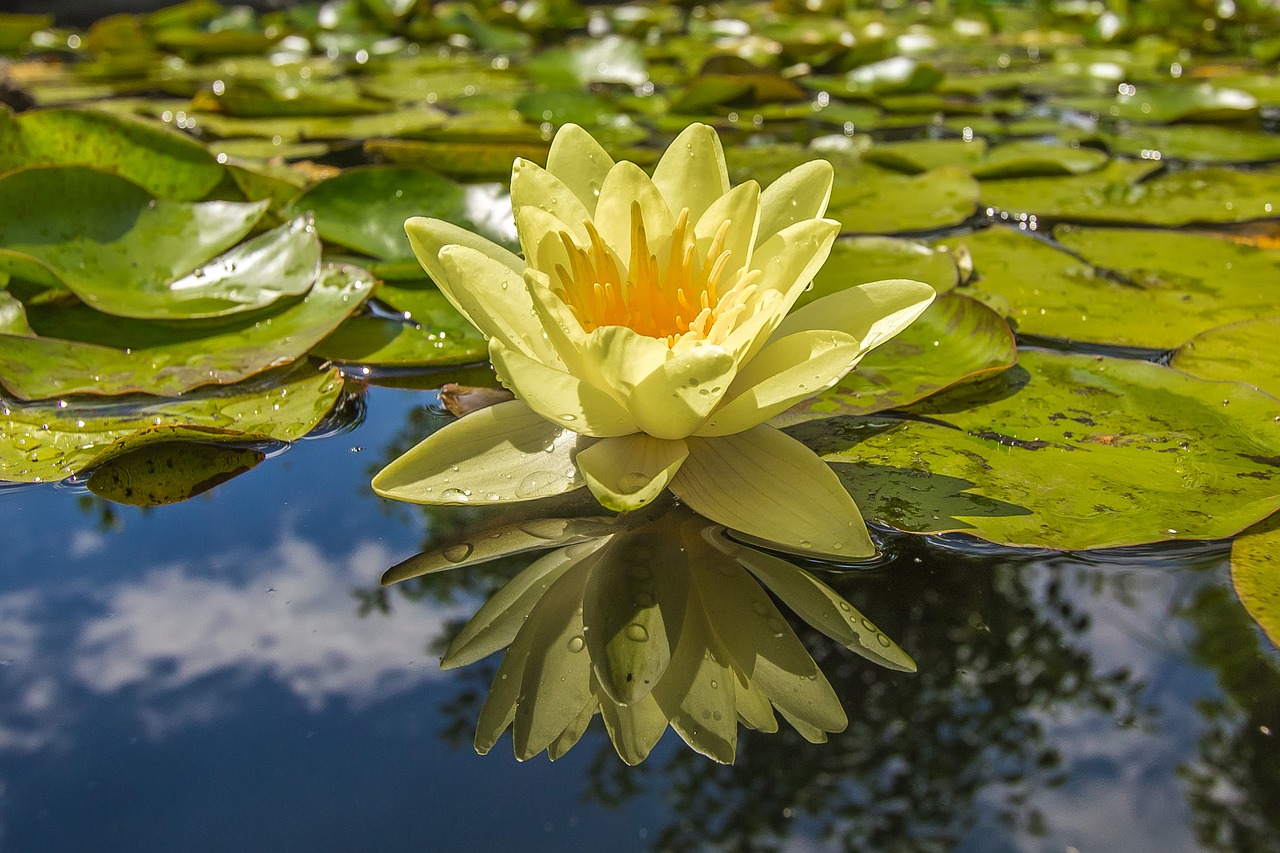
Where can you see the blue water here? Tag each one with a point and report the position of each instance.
(219, 675)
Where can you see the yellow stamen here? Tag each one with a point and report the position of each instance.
(647, 299)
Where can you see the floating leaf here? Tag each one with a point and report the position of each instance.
(1200, 143)
(88, 229)
(1210, 194)
(458, 158)
(47, 441)
(879, 202)
(282, 262)
(117, 356)
(1173, 103)
(857, 260)
(1180, 284)
(957, 339)
(365, 208)
(162, 161)
(1070, 452)
(432, 333)
(13, 317)
(310, 128)
(167, 465)
(1255, 572)
(1240, 352)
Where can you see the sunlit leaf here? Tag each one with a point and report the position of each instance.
(1255, 572)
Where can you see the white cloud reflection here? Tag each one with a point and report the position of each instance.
(181, 640)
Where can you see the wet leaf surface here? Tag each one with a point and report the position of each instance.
(1255, 572)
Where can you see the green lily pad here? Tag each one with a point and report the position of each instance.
(1180, 284)
(1174, 103)
(467, 160)
(43, 442)
(91, 228)
(16, 29)
(1200, 143)
(1248, 351)
(920, 155)
(365, 208)
(1111, 194)
(956, 339)
(282, 262)
(268, 149)
(276, 184)
(896, 75)
(857, 260)
(1069, 452)
(117, 356)
(167, 465)
(612, 59)
(1255, 573)
(306, 128)
(162, 161)
(432, 333)
(1011, 159)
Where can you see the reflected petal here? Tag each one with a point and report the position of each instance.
(634, 729)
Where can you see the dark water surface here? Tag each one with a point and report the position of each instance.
(224, 675)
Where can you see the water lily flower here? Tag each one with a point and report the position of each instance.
(650, 620)
(646, 336)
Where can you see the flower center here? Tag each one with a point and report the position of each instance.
(689, 300)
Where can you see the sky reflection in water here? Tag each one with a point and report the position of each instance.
(220, 674)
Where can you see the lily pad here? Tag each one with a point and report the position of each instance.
(956, 339)
(387, 342)
(167, 465)
(1199, 143)
(282, 262)
(1112, 194)
(1255, 572)
(117, 356)
(1069, 452)
(83, 229)
(13, 317)
(41, 442)
(880, 202)
(1180, 284)
(468, 160)
(857, 260)
(162, 161)
(365, 208)
(1240, 352)
(310, 128)
(1173, 103)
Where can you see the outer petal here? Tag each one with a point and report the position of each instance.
(534, 186)
(626, 473)
(769, 485)
(560, 397)
(494, 298)
(428, 236)
(873, 313)
(675, 399)
(634, 729)
(787, 262)
(578, 160)
(503, 453)
(540, 239)
(692, 172)
(627, 183)
(782, 374)
(798, 195)
(740, 207)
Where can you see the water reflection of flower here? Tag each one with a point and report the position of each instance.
(650, 619)
(646, 336)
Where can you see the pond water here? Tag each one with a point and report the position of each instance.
(1069, 461)
(226, 674)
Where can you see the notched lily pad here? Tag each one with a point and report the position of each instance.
(957, 339)
(117, 356)
(1068, 452)
(1248, 351)
(48, 441)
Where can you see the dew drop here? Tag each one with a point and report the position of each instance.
(632, 482)
(637, 633)
(455, 495)
(458, 553)
(577, 644)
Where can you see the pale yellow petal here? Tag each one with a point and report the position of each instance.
(798, 195)
(495, 299)
(496, 623)
(820, 606)
(782, 374)
(627, 183)
(740, 207)
(753, 706)
(534, 186)
(535, 534)
(555, 684)
(500, 454)
(578, 160)
(540, 239)
(627, 472)
(769, 485)
(787, 262)
(574, 731)
(692, 172)
(676, 398)
(624, 359)
(873, 313)
(633, 610)
(560, 397)
(428, 236)
(634, 729)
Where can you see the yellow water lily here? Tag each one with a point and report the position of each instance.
(646, 336)
(650, 620)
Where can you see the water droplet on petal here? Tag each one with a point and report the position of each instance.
(457, 553)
